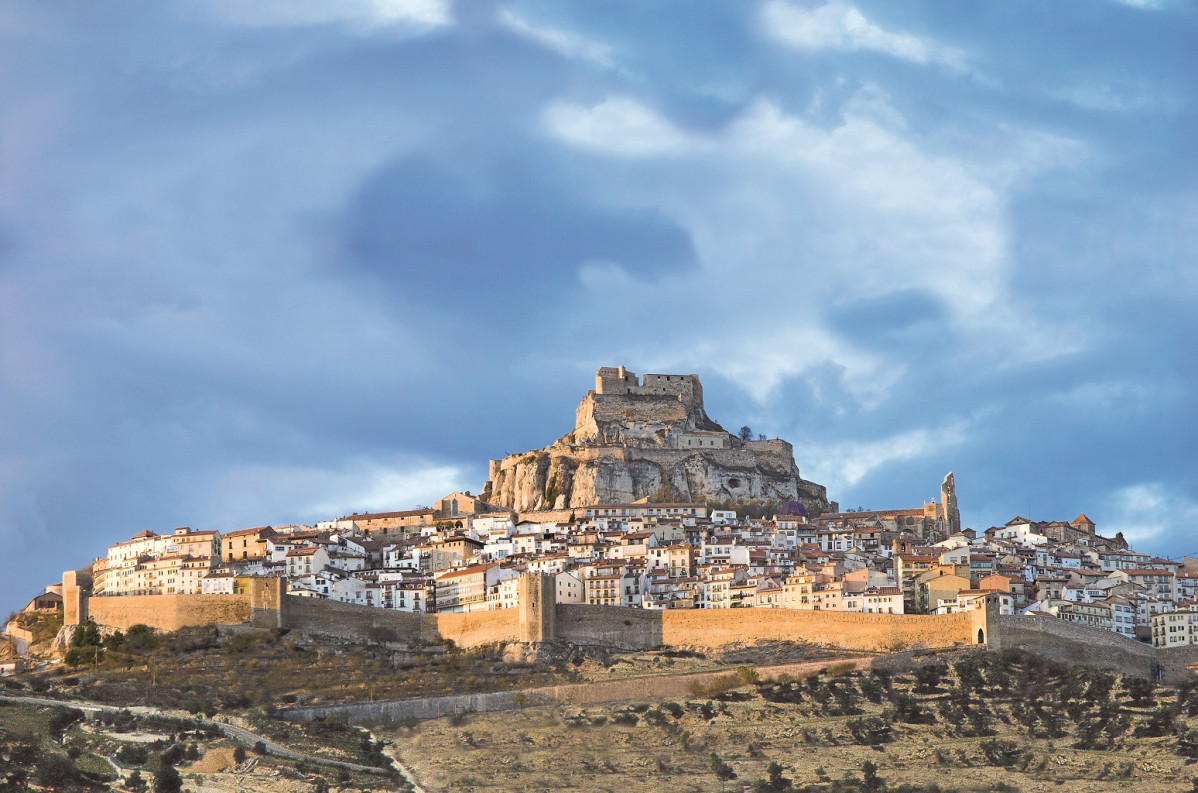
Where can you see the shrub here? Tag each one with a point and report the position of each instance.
(928, 676)
(239, 754)
(722, 770)
(260, 748)
(870, 731)
(167, 780)
(131, 754)
(141, 637)
(1187, 743)
(56, 771)
(775, 783)
(748, 675)
(1001, 752)
(1141, 691)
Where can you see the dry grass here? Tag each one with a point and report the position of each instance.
(669, 745)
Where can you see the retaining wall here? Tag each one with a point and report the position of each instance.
(627, 689)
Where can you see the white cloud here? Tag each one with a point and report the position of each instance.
(415, 14)
(837, 25)
(317, 493)
(617, 125)
(1109, 98)
(777, 205)
(563, 42)
(843, 465)
(1145, 511)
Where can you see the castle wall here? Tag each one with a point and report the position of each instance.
(169, 612)
(639, 629)
(480, 627)
(352, 622)
(1066, 642)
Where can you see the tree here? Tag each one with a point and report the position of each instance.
(135, 782)
(56, 771)
(872, 781)
(239, 755)
(746, 433)
(167, 780)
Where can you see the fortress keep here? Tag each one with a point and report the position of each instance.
(650, 438)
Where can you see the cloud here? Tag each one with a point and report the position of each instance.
(1149, 512)
(321, 492)
(844, 465)
(563, 42)
(419, 15)
(618, 126)
(837, 25)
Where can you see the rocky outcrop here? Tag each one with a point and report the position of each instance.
(653, 441)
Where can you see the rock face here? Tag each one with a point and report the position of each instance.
(634, 440)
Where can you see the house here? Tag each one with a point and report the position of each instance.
(245, 544)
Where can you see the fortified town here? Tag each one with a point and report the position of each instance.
(650, 525)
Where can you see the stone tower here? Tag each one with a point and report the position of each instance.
(948, 501)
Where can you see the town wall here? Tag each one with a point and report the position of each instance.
(639, 629)
(609, 626)
(849, 630)
(1063, 641)
(352, 622)
(480, 627)
(169, 612)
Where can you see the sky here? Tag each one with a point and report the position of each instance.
(275, 262)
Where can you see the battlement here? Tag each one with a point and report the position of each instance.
(618, 381)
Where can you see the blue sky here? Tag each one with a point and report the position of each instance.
(270, 262)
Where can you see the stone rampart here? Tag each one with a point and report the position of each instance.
(480, 627)
(169, 612)
(353, 623)
(1066, 642)
(639, 629)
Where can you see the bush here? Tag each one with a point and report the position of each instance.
(870, 731)
(141, 637)
(928, 677)
(776, 783)
(1141, 691)
(1002, 753)
(722, 770)
(131, 754)
(56, 771)
(260, 748)
(167, 780)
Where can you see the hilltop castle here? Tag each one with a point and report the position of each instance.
(650, 438)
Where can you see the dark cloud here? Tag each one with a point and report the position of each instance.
(458, 239)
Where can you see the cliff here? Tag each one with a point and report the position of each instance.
(652, 440)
